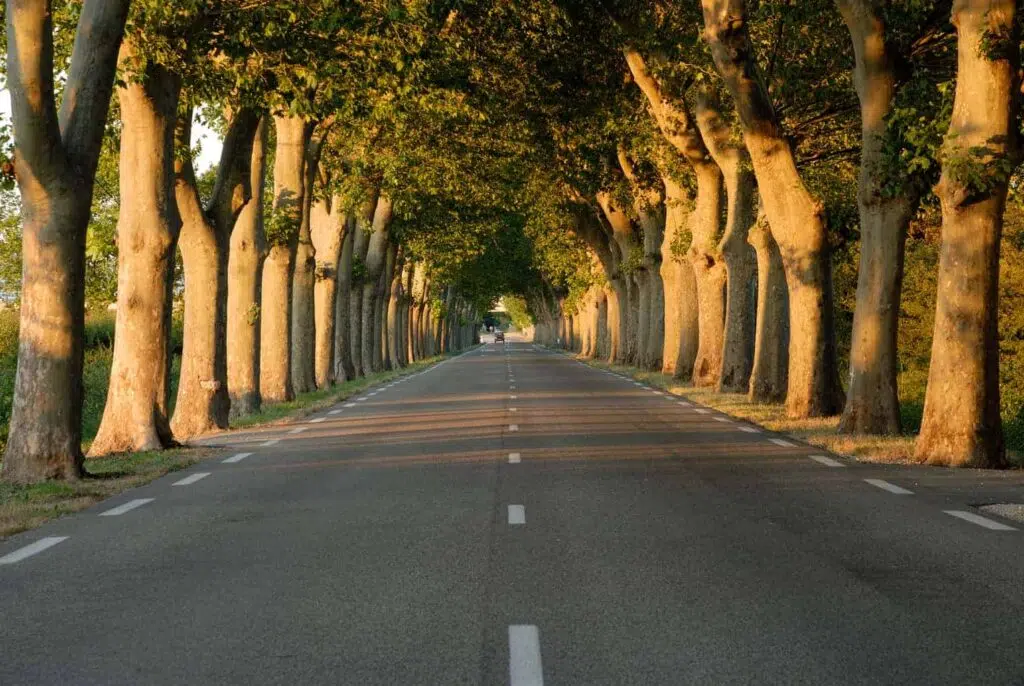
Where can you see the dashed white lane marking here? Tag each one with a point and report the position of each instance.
(750, 430)
(723, 420)
(514, 458)
(512, 388)
(827, 461)
(349, 405)
(524, 666)
(334, 413)
(781, 443)
(31, 549)
(318, 420)
(657, 392)
(271, 442)
(517, 515)
(126, 507)
(701, 410)
(683, 403)
(189, 480)
(299, 430)
(886, 486)
(512, 397)
(513, 427)
(359, 400)
(979, 520)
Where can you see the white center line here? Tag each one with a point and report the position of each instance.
(189, 480)
(750, 430)
(513, 427)
(511, 409)
(318, 420)
(237, 458)
(886, 486)
(127, 507)
(31, 549)
(511, 388)
(514, 458)
(827, 461)
(524, 666)
(973, 519)
(517, 515)
(781, 443)
(299, 430)
(512, 397)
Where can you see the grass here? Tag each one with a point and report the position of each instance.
(819, 432)
(26, 507)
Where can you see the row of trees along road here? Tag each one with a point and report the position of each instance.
(665, 183)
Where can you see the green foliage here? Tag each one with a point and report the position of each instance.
(515, 306)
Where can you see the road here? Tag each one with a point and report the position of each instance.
(515, 517)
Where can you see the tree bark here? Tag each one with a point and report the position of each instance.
(770, 371)
(962, 425)
(383, 308)
(343, 368)
(629, 301)
(361, 243)
(283, 237)
(304, 276)
(375, 257)
(328, 224)
(797, 219)
(55, 163)
(740, 260)
(872, 401)
(203, 404)
(681, 312)
(135, 417)
(245, 285)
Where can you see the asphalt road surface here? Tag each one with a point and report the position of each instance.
(515, 517)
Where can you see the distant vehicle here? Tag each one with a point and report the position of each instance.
(499, 336)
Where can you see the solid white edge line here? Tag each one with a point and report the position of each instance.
(126, 507)
(886, 486)
(781, 443)
(236, 458)
(189, 480)
(516, 515)
(31, 549)
(524, 663)
(514, 458)
(827, 461)
(990, 524)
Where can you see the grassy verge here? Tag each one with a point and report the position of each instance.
(26, 507)
(819, 432)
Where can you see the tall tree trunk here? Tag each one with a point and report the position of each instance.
(304, 277)
(394, 318)
(55, 163)
(135, 416)
(962, 425)
(797, 219)
(770, 372)
(872, 402)
(343, 367)
(375, 257)
(245, 286)
(328, 223)
(283, 237)
(629, 301)
(203, 403)
(681, 323)
(383, 361)
(361, 243)
(740, 260)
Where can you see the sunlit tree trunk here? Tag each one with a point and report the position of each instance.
(343, 367)
(769, 374)
(872, 400)
(376, 254)
(797, 219)
(282, 237)
(55, 160)
(135, 416)
(681, 312)
(360, 245)
(962, 425)
(245, 286)
(328, 223)
(304, 276)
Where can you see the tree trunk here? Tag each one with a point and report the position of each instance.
(135, 416)
(304, 277)
(203, 403)
(55, 164)
(394, 318)
(770, 371)
(383, 360)
(245, 286)
(375, 257)
(962, 425)
(872, 402)
(797, 219)
(739, 258)
(361, 238)
(343, 367)
(283, 237)
(328, 223)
